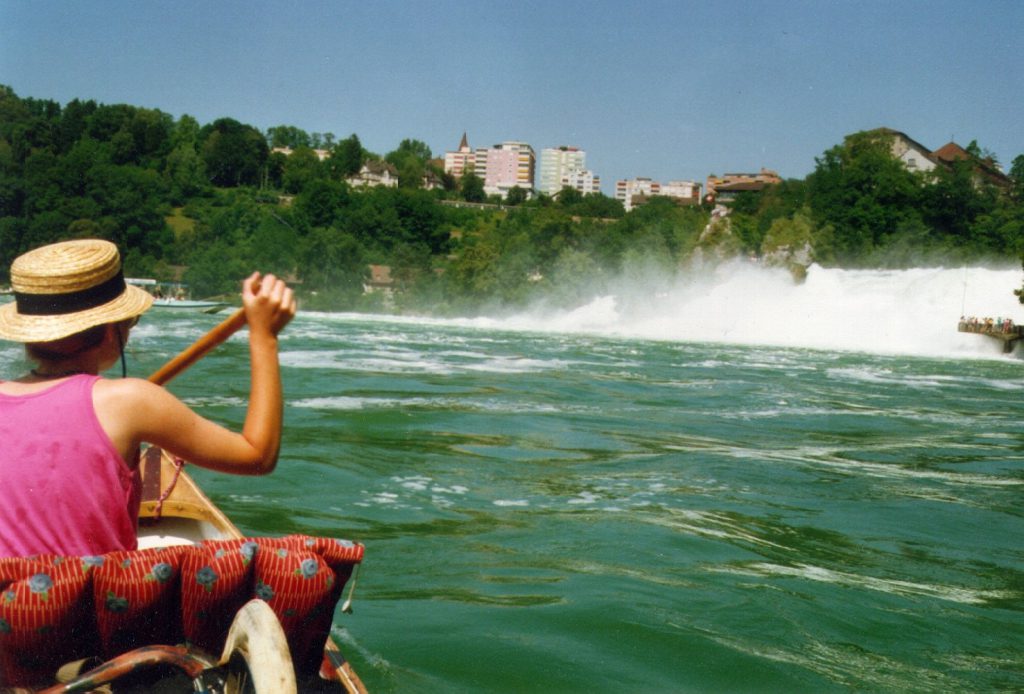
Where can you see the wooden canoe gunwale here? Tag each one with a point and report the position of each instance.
(186, 500)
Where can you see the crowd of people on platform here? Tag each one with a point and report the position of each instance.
(987, 325)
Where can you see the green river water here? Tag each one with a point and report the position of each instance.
(594, 501)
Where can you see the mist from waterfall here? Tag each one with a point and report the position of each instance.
(912, 312)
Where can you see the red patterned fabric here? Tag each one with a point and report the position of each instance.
(302, 590)
(41, 600)
(135, 598)
(57, 609)
(216, 581)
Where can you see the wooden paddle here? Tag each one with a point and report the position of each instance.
(228, 327)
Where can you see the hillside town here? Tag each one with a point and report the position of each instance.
(513, 165)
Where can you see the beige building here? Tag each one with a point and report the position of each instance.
(460, 161)
(724, 188)
(637, 191)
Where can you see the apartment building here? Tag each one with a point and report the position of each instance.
(585, 182)
(625, 191)
(505, 166)
(556, 164)
(637, 191)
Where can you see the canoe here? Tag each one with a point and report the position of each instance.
(175, 511)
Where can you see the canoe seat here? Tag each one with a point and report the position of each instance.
(56, 609)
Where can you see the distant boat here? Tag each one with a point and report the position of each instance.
(189, 305)
(175, 296)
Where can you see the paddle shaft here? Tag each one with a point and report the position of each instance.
(199, 348)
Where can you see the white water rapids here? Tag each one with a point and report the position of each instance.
(906, 312)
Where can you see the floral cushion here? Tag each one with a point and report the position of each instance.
(41, 598)
(135, 598)
(57, 609)
(216, 582)
(302, 589)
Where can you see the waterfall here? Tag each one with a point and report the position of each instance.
(913, 312)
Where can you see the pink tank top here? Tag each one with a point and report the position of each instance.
(64, 488)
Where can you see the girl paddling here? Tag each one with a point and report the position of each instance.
(69, 439)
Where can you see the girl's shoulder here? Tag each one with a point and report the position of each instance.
(128, 396)
(131, 403)
(127, 388)
(26, 388)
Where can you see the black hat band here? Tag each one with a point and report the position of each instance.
(71, 302)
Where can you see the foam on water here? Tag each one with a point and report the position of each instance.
(900, 312)
(907, 312)
(885, 585)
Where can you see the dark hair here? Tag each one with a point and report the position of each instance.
(66, 347)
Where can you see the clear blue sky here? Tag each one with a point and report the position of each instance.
(669, 90)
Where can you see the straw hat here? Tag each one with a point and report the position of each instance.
(67, 287)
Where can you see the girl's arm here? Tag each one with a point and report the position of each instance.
(134, 410)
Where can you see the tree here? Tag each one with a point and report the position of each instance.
(185, 132)
(600, 205)
(516, 196)
(185, 173)
(301, 168)
(274, 245)
(410, 160)
(332, 261)
(151, 132)
(288, 136)
(472, 273)
(981, 153)
(1017, 174)
(576, 276)
(216, 269)
(234, 153)
(73, 123)
(346, 158)
(952, 201)
(863, 192)
(472, 188)
(321, 201)
(411, 148)
(569, 196)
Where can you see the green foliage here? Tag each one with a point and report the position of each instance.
(347, 158)
(216, 269)
(321, 202)
(288, 136)
(575, 277)
(516, 196)
(864, 193)
(1017, 175)
(120, 172)
(471, 187)
(410, 160)
(333, 262)
(301, 168)
(185, 174)
(234, 153)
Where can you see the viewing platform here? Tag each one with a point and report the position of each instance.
(1005, 330)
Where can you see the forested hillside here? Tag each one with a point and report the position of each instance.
(210, 202)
